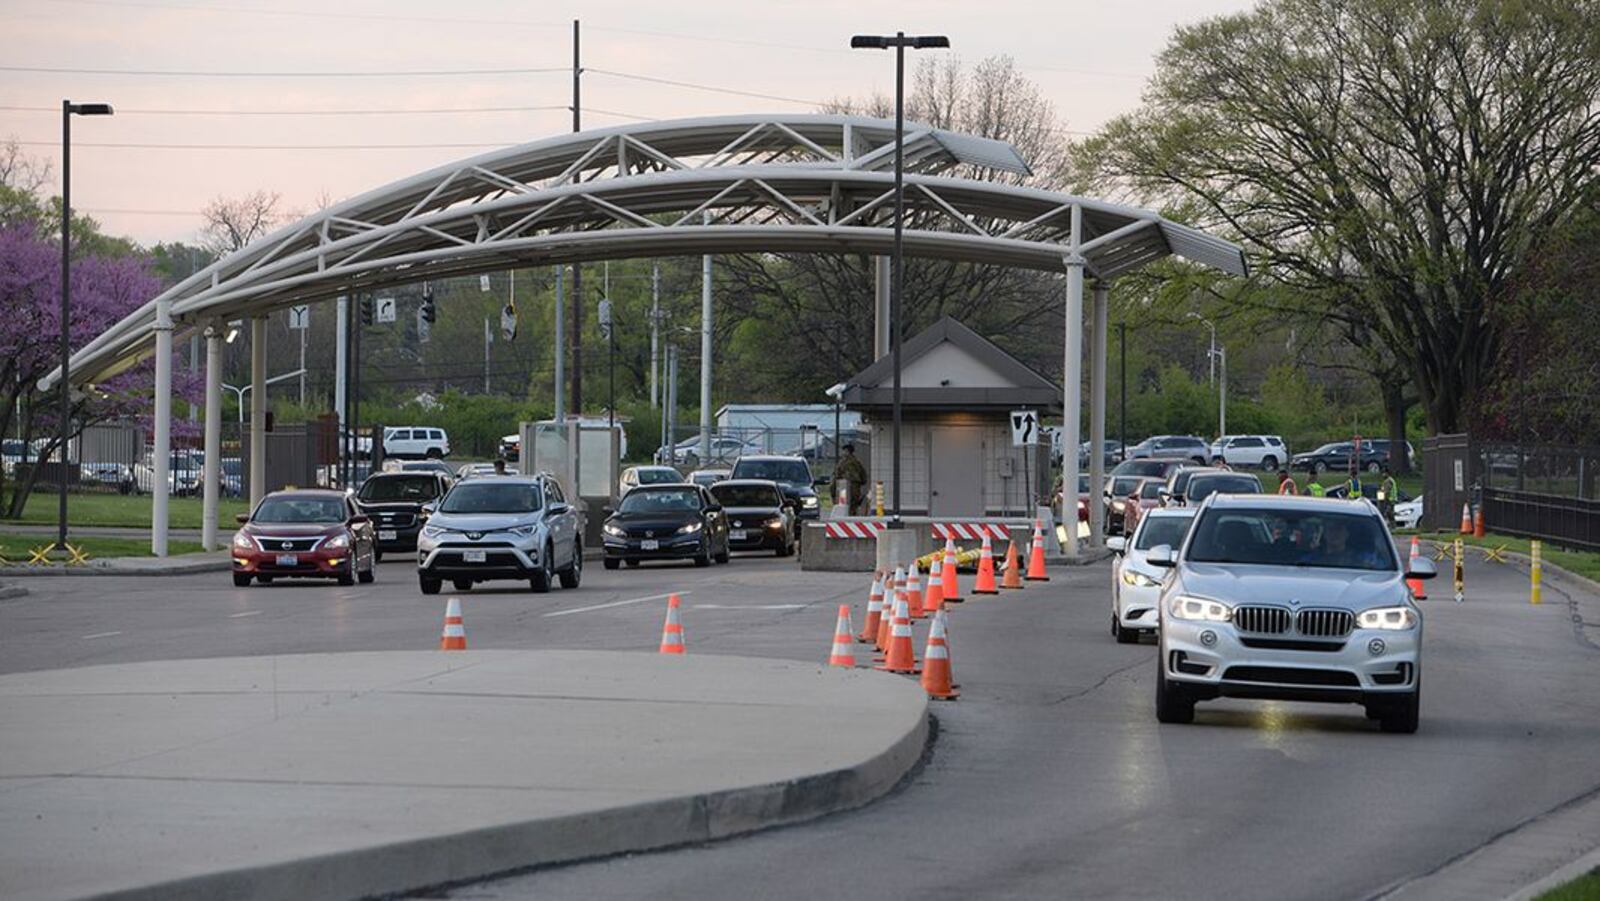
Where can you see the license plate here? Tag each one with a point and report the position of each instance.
(649, 544)
(736, 534)
(474, 556)
(387, 534)
(288, 560)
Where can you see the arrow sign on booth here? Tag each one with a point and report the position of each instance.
(1024, 427)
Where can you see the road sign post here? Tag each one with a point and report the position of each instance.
(1024, 434)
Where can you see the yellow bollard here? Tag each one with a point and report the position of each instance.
(1460, 571)
(1536, 571)
(878, 488)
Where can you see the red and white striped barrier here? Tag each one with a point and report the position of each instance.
(971, 531)
(869, 529)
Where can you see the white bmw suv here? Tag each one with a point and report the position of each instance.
(1292, 598)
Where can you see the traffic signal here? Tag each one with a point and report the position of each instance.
(428, 312)
(366, 310)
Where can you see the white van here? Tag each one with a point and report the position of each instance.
(415, 441)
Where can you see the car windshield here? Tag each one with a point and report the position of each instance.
(795, 472)
(1139, 468)
(491, 497)
(746, 495)
(1180, 481)
(1315, 538)
(1201, 487)
(1122, 486)
(1167, 530)
(400, 488)
(658, 476)
(662, 501)
(1185, 442)
(299, 509)
(425, 466)
(1150, 490)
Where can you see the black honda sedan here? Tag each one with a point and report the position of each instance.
(758, 517)
(666, 522)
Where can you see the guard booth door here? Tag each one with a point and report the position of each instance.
(955, 469)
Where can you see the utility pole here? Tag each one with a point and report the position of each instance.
(577, 268)
(705, 357)
(561, 351)
(303, 359)
(655, 329)
(488, 339)
(1222, 393)
(1122, 418)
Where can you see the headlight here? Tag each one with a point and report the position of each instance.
(689, 529)
(1119, 506)
(808, 502)
(618, 531)
(1138, 579)
(431, 531)
(1393, 619)
(241, 540)
(523, 531)
(1199, 609)
(775, 522)
(338, 542)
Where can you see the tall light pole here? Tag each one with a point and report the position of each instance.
(68, 110)
(1222, 393)
(899, 41)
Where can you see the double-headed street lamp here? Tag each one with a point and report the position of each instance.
(68, 110)
(1216, 353)
(899, 41)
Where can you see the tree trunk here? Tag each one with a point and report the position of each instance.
(1394, 411)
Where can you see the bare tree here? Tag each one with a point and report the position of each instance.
(232, 223)
(21, 172)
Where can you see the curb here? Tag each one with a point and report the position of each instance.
(111, 566)
(1585, 582)
(1588, 863)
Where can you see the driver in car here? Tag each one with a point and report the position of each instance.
(1338, 550)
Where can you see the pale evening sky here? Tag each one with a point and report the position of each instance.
(1090, 59)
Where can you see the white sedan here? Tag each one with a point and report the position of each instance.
(1408, 513)
(1135, 584)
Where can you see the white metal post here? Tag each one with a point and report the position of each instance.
(341, 365)
(705, 360)
(1097, 413)
(1222, 393)
(258, 409)
(163, 415)
(303, 358)
(1071, 379)
(213, 461)
(655, 330)
(561, 347)
(880, 307)
(488, 339)
(194, 366)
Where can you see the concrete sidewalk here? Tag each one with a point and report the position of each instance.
(347, 775)
(180, 565)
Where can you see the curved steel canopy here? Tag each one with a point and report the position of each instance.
(797, 183)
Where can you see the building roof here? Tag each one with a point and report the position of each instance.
(1016, 385)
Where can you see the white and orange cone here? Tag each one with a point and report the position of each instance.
(454, 636)
(896, 593)
(936, 673)
(672, 632)
(843, 653)
(933, 598)
(952, 588)
(985, 581)
(902, 654)
(1036, 555)
(1418, 592)
(1013, 567)
(914, 591)
(869, 630)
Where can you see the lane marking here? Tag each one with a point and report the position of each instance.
(244, 614)
(100, 635)
(748, 606)
(653, 597)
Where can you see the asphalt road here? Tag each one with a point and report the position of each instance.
(1050, 776)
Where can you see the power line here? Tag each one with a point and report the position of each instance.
(195, 73)
(303, 112)
(701, 87)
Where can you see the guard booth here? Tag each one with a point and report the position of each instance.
(585, 457)
(959, 455)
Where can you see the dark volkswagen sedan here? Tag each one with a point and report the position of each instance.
(758, 518)
(666, 522)
(394, 501)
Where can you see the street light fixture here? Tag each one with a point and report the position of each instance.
(899, 41)
(1216, 353)
(68, 110)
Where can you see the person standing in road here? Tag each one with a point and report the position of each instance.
(1388, 493)
(1352, 488)
(1314, 487)
(1286, 483)
(851, 471)
(500, 466)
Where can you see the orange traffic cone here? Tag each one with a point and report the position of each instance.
(902, 655)
(952, 588)
(1418, 592)
(842, 654)
(914, 591)
(1466, 519)
(933, 598)
(936, 673)
(454, 637)
(897, 590)
(672, 632)
(869, 631)
(1478, 527)
(985, 582)
(1036, 555)
(1013, 576)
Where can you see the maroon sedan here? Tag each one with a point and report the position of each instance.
(304, 534)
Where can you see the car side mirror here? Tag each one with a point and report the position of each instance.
(1117, 544)
(608, 510)
(1163, 556)
(241, 518)
(559, 507)
(1421, 568)
(819, 482)
(714, 508)
(360, 519)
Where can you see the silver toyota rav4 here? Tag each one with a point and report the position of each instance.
(517, 527)
(1292, 598)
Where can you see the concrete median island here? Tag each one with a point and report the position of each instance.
(349, 775)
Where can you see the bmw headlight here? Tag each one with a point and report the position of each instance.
(1138, 579)
(1393, 619)
(431, 531)
(615, 530)
(338, 542)
(808, 502)
(689, 529)
(243, 541)
(1199, 609)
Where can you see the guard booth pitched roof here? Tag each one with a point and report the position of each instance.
(948, 366)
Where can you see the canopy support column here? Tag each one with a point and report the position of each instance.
(213, 447)
(258, 409)
(162, 453)
(1071, 390)
(1097, 414)
(880, 307)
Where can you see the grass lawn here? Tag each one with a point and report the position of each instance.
(1584, 888)
(1584, 563)
(15, 547)
(1410, 485)
(128, 510)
